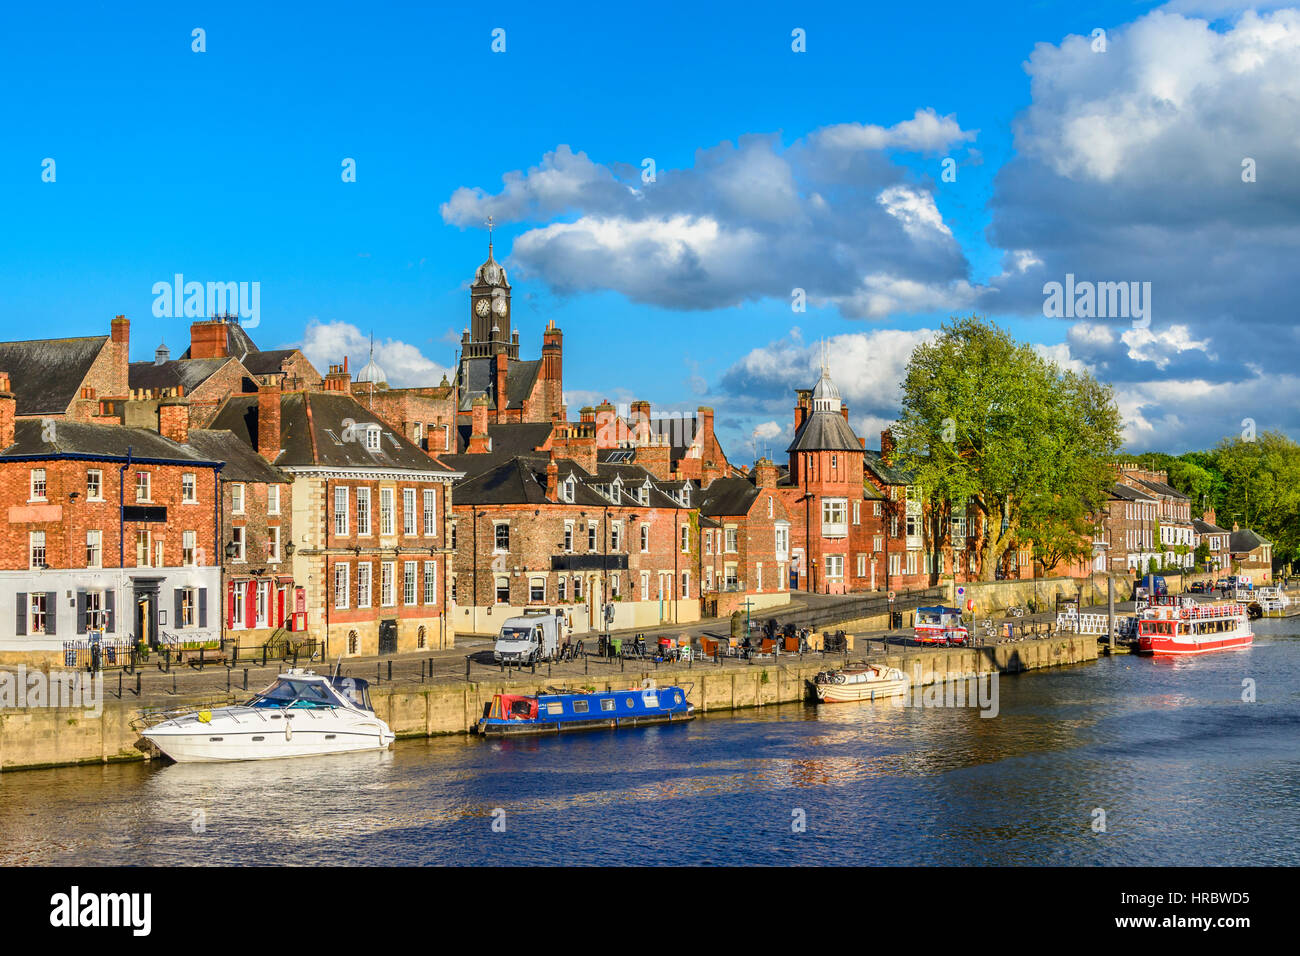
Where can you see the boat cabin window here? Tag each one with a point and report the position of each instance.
(521, 708)
(580, 706)
(353, 690)
(607, 703)
(294, 693)
(555, 708)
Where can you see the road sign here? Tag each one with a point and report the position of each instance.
(891, 595)
(961, 591)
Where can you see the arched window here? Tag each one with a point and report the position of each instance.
(420, 638)
(353, 641)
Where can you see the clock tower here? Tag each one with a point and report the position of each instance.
(489, 312)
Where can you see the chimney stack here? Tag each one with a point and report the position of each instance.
(887, 446)
(764, 473)
(121, 330)
(7, 406)
(208, 339)
(552, 478)
(479, 443)
(174, 419)
(268, 422)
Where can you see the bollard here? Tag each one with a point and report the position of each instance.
(245, 678)
(234, 654)
(173, 683)
(227, 680)
(263, 655)
(421, 672)
(200, 657)
(584, 662)
(390, 670)
(467, 667)
(137, 683)
(295, 655)
(379, 678)
(119, 685)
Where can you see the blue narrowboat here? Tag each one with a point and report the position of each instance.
(511, 714)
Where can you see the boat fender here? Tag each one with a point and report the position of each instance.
(288, 730)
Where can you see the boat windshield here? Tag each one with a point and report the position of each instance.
(294, 693)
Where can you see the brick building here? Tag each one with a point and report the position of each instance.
(1175, 538)
(824, 494)
(70, 378)
(370, 519)
(535, 529)
(1217, 540)
(745, 530)
(107, 529)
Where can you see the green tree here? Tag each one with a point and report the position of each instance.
(990, 421)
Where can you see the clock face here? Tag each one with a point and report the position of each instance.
(499, 305)
(482, 307)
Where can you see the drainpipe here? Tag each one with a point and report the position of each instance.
(121, 531)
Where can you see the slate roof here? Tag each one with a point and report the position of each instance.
(508, 438)
(1127, 493)
(521, 479)
(266, 363)
(1160, 488)
(1245, 541)
(825, 431)
(1204, 527)
(480, 377)
(45, 375)
(888, 474)
(314, 430)
(728, 496)
(188, 374)
(243, 463)
(101, 441)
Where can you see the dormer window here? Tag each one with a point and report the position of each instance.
(567, 492)
(686, 496)
(372, 438)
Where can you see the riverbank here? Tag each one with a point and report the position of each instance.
(32, 738)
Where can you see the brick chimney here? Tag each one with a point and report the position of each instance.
(552, 479)
(1208, 516)
(339, 379)
(803, 407)
(844, 410)
(268, 422)
(764, 473)
(704, 424)
(208, 339)
(7, 405)
(174, 419)
(479, 442)
(502, 393)
(887, 446)
(121, 330)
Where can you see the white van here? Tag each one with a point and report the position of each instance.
(526, 640)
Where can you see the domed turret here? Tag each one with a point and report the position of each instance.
(372, 374)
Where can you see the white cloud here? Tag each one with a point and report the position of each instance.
(831, 214)
(1162, 346)
(926, 131)
(326, 343)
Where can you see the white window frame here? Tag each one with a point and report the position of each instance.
(98, 494)
(409, 523)
(387, 523)
(364, 576)
(342, 582)
(189, 488)
(363, 512)
(238, 498)
(341, 503)
(38, 486)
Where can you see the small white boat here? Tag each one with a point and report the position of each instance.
(869, 682)
(302, 714)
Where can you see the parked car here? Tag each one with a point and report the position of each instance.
(1199, 587)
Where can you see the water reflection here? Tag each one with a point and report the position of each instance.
(1185, 770)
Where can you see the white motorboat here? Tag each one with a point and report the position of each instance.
(869, 682)
(301, 714)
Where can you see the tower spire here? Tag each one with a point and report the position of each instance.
(490, 225)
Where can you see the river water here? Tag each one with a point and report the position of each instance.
(1165, 754)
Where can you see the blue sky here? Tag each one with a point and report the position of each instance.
(775, 169)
